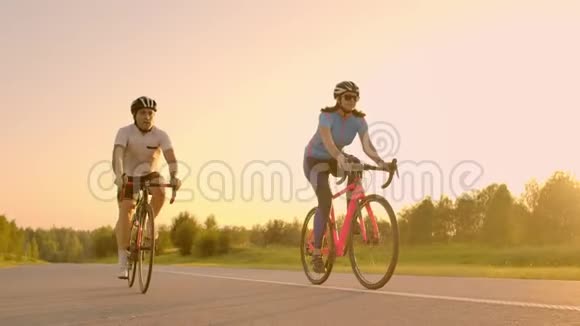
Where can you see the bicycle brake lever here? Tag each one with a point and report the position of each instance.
(395, 161)
(173, 192)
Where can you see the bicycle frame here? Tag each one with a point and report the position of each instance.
(341, 236)
(142, 202)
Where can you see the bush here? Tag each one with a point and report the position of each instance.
(183, 217)
(164, 241)
(185, 236)
(224, 242)
(257, 236)
(103, 239)
(207, 243)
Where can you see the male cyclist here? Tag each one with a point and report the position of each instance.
(136, 155)
(337, 127)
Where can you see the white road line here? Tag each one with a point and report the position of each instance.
(378, 292)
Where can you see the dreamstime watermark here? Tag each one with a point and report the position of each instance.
(385, 138)
(101, 181)
(267, 181)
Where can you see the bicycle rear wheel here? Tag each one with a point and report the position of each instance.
(374, 251)
(146, 252)
(307, 247)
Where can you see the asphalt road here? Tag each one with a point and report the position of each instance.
(70, 294)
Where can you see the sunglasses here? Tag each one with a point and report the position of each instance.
(350, 97)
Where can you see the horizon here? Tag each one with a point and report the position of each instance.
(201, 219)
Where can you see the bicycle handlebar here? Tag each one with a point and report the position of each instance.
(356, 167)
(155, 184)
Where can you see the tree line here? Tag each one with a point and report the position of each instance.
(186, 233)
(547, 214)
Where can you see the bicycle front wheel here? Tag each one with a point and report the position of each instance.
(307, 247)
(132, 259)
(147, 248)
(374, 242)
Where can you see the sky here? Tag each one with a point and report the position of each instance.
(462, 93)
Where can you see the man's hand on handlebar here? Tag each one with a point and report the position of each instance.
(175, 183)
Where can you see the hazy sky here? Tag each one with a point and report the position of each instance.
(242, 82)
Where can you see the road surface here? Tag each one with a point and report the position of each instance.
(88, 294)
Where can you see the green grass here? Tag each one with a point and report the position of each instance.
(550, 256)
(441, 260)
(250, 257)
(277, 257)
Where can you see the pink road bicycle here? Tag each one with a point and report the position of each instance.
(369, 234)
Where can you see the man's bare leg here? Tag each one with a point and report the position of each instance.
(122, 231)
(157, 199)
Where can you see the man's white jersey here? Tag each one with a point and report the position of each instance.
(142, 150)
